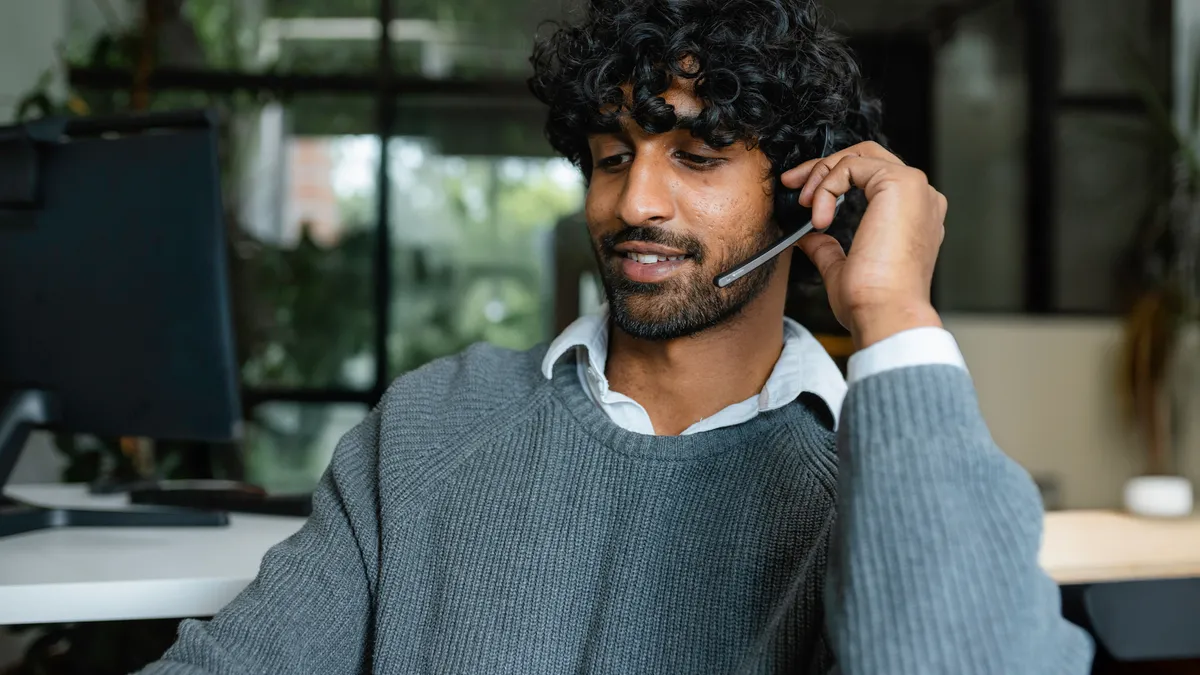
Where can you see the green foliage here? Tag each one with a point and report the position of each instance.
(325, 56)
(1162, 265)
(312, 310)
(528, 204)
(473, 243)
(323, 8)
(304, 310)
(1165, 253)
(89, 459)
(225, 29)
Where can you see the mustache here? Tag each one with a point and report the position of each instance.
(653, 235)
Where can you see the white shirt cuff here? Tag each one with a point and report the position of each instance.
(928, 346)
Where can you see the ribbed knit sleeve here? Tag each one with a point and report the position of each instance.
(309, 609)
(934, 562)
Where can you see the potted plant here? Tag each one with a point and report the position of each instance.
(1164, 305)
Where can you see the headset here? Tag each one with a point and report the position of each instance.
(795, 220)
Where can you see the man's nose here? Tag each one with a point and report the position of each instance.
(646, 197)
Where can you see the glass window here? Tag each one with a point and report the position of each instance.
(302, 36)
(1106, 176)
(316, 37)
(473, 240)
(980, 113)
(219, 34)
(288, 445)
(304, 196)
(94, 29)
(320, 8)
(467, 38)
(1105, 43)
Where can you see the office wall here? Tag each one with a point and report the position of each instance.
(1047, 389)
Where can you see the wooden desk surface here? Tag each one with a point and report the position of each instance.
(1093, 546)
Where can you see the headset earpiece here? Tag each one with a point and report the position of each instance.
(788, 212)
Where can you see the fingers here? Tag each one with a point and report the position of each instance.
(940, 206)
(798, 176)
(867, 166)
(867, 173)
(826, 254)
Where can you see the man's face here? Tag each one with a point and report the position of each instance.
(667, 214)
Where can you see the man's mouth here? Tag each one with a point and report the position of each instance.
(650, 258)
(651, 268)
(649, 262)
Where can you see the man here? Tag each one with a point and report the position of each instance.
(662, 489)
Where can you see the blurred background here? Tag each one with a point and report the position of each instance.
(390, 200)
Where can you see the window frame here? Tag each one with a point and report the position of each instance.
(1045, 102)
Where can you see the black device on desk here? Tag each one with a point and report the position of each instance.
(220, 495)
(114, 307)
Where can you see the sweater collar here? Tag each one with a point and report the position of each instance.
(803, 365)
(781, 427)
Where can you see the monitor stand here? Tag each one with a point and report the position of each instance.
(20, 415)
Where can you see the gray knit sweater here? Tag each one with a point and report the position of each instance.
(485, 520)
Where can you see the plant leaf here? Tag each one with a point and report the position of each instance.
(1139, 78)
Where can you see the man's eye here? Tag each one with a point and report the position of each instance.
(698, 160)
(613, 161)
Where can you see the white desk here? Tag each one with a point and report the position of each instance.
(109, 574)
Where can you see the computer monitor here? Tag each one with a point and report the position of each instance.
(114, 301)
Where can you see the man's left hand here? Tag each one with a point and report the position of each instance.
(882, 287)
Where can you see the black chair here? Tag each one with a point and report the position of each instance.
(1138, 621)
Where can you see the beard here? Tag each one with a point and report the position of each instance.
(687, 303)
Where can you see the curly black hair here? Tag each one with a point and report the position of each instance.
(769, 73)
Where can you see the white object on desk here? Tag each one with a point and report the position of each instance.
(112, 574)
(1159, 496)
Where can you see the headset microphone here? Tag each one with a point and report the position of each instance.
(788, 211)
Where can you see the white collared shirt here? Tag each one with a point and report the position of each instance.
(803, 366)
